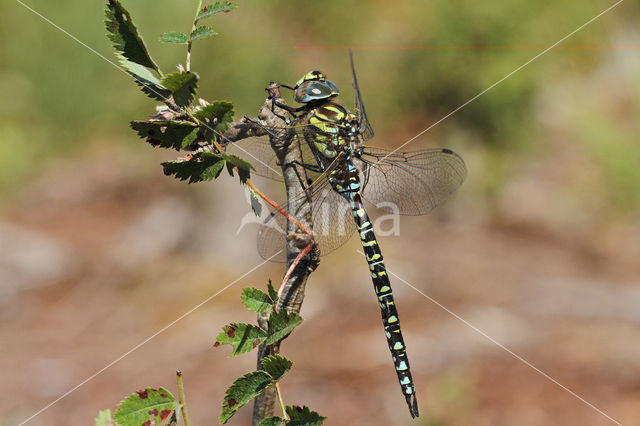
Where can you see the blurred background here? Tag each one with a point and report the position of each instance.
(539, 249)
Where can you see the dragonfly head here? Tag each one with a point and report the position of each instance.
(314, 86)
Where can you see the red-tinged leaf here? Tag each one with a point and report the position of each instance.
(243, 391)
(145, 406)
(242, 337)
(219, 6)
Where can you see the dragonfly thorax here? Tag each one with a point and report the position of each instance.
(334, 130)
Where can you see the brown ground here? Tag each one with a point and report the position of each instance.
(96, 259)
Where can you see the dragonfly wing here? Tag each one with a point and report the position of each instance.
(333, 223)
(365, 128)
(411, 183)
(257, 151)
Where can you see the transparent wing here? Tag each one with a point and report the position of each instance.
(332, 219)
(411, 183)
(259, 152)
(365, 128)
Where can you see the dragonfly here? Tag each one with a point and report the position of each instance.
(342, 172)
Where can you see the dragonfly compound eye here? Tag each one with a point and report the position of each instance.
(310, 76)
(315, 90)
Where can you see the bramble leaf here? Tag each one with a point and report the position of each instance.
(215, 119)
(125, 37)
(182, 86)
(281, 324)
(242, 337)
(167, 134)
(149, 405)
(148, 82)
(303, 416)
(219, 6)
(202, 32)
(272, 292)
(256, 205)
(104, 419)
(272, 421)
(276, 365)
(256, 300)
(243, 391)
(298, 416)
(197, 168)
(132, 51)
(174, 37)
(241, 166)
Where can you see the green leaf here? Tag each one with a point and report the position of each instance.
(242, 337)
(202, 32)
(256, 300)
(300, 416)
(281, 324)
(256, 205)
(104, 419)
(132, 51)
(125, 37)
(174, 37)
(272, 292)
(197, 168)
(243, 391)
(243, 167)
(215, 119)
(155, 405)
(147, 81)
(272, 421)
(182, 86)
(219, 6)
(276, 365)
(166, 134)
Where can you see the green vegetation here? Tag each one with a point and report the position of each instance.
(63, 98)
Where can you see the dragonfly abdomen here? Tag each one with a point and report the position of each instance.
(348, 185)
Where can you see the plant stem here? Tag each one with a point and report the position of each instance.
(280, 209)
(193, 28)
(284, 412)
(292, 294)
(183, 405)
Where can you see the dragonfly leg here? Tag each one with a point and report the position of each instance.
(291, 110)
(313, 167)
(305, 180)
